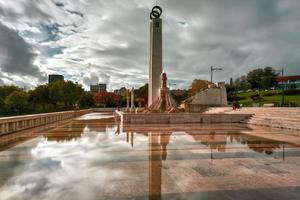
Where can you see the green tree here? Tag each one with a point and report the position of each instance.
(71, 93)
(242, 83)
(179, 97)
(56, 93)
(2, 107)
(7, 90)
(40, 95)
(269, 78)
(254, 78)
(231, 92)
(142, 94)
(87, 100)
(17, 102)
(262, 78)
(65, 92)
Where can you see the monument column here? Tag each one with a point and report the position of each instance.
(155, 65)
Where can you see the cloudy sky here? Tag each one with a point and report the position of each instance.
(92, 41)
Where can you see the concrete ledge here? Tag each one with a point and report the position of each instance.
(19, 123)
(180, 118)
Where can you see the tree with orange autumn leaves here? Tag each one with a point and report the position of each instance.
(108, 99)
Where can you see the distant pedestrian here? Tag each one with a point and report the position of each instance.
(235, 105)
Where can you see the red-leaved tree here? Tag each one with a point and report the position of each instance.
(107, 98)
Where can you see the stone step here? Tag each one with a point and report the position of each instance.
(291, 115)
(279, 119)
(274, 123)
(287, 119)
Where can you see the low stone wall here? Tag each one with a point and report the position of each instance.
(18, 123)
(180, 118)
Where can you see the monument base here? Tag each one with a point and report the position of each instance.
(179, 118)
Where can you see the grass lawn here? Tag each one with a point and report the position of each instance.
(270, 96)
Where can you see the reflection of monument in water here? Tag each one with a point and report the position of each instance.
(217, 142)
(157, 143)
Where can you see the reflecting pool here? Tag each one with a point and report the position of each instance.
(94, 157)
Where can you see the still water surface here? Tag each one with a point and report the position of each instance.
(94, 157)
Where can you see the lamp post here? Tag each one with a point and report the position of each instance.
(212, 69)
(282, 97)
(282, 87)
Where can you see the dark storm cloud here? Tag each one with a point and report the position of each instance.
(16, 55)
(113, 36)
(239, 35)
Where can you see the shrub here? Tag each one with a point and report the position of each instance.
(270, 93)
(256, 97)
(292, 92)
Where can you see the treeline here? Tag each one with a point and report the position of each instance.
(61, 96)
(57, 96)
(261, 78)
(110, 99)
(255, 80)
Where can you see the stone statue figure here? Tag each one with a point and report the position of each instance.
(165, 102)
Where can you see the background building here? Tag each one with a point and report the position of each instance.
(121, 91)
(290, 82)
(98, 88)
(55, 77)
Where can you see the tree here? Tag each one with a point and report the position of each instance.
(40, 95)
(65, 92)
(142, 94)
(254, 78)
(87, 100)
(242, 83)
(55, 93)
(179, 95)
(269, 78)
(72, 93)
(2, 107)
(108, 99)
(262, 78)
(198, 85)
(17, 102)
(7, 90)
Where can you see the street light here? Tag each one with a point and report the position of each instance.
(282, 87)
(212, 69)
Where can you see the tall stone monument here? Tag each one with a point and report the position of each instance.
(155, 67)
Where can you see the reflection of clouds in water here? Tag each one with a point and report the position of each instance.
(46, 164)
(92, 116)
(65, 170)
(181, 137)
